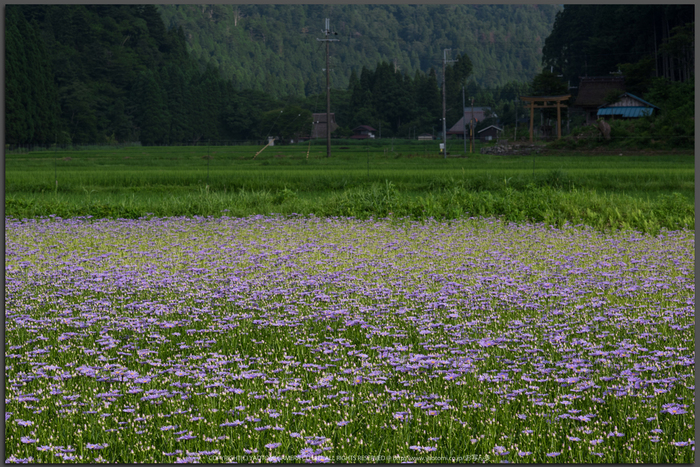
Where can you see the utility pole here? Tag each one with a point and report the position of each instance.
(327, 33)
(464, 122)
(515, 134)
(471, 130)
(444, 106)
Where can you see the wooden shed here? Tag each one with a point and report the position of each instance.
(489, 133)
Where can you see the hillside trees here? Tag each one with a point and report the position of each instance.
(594, 40)
(503, 42)
(32, 105)
(99, 73)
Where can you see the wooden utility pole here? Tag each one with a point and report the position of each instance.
(327, 33)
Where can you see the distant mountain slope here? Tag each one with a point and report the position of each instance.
(273, 48)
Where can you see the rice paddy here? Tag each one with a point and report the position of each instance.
(327, 339)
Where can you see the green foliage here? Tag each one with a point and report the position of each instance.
(32, 105)
(273, 48)
(115, 72)
(597, 39)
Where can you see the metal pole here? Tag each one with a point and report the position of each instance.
(327, 32)
(464, 123)
(328, 95)
(515, 134)
(444, 120)
(471, 130)
(532, 120)
(55, 163)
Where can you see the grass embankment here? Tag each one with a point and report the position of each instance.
(638, 191)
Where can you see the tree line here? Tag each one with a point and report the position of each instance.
(86, 74)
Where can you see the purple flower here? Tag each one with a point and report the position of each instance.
(28, 440)
(96, 446)
(273, 445)
(553, 454)
(233, 423)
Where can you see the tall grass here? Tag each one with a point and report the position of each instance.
(605, 211)
(644, 192)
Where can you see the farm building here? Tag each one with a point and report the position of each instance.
(627, 107)
(480, 114)
(593, 91)
(363, 132)
(489, 133)
(319, 127)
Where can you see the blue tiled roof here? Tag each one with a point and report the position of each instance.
(626, 112)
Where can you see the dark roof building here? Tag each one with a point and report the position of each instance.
(319, 127)
(363, 132)
(480, 114)
(592, 91)
(628, 106)
(489, 133)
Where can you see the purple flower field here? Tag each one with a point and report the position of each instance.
(270, 339)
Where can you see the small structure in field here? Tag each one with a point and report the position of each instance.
(592, 91)
(363, 132)
(480, 114)
(627, 107)
(489, 133)
(425, 137)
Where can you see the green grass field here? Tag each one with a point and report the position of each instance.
(636, 190)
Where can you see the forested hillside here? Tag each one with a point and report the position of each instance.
(273, 48)
(87, 74)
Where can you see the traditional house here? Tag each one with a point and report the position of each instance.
(628, 106)
(363, 132)
(319, 126)
(592, 91)
(489, 133)
(480, 114)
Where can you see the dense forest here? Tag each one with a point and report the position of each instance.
(273, 48)
(87, 74)
(641, 41)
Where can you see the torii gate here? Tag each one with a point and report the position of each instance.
(545, 99)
